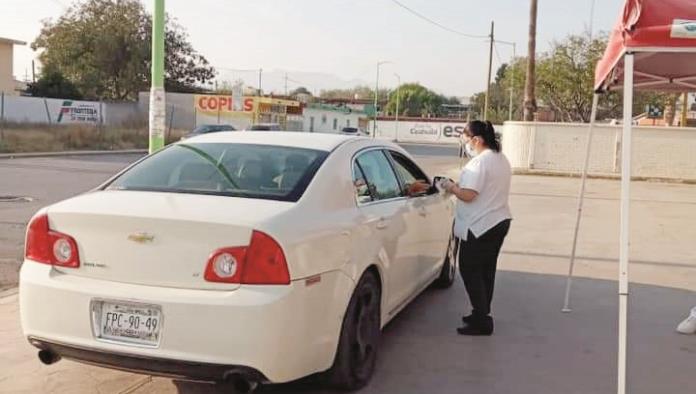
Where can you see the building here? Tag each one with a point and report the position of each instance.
(245, 111)
(8, 84)
(327, 118)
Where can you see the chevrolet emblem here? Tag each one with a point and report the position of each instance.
(141, 238)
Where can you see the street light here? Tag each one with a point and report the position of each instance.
(374, 124)
(398, 94)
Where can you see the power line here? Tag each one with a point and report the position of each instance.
(441, 26)
(497, 54)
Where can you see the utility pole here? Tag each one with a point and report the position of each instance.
(398, 94)
(157, 93)
(33, 72)
(286, 84)
(591, 28)
(260, 72)
(530, 105)
(490, 71)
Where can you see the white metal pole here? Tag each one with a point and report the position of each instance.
(581, 200)
(625, 222)
(512, 79)
(374, 123)
(398, 93)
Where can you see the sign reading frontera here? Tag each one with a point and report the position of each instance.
(78, 112)
(682, 28)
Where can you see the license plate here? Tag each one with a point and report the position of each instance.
(127, 322)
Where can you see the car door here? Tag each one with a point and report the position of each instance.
(382, 223)
(431, 213)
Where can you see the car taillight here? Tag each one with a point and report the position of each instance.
(50, 247)
(261, 263)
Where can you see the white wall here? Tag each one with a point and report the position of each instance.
(324, 120)
(22, 109)
(668, 153)
(420, 131)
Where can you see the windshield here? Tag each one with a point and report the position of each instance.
(241, 170)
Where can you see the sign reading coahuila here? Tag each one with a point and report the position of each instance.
(78, 113)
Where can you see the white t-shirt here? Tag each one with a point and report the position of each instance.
(489, 175)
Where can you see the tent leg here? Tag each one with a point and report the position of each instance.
(625, 215)
(581, 200)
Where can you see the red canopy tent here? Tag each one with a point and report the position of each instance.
(652, 47)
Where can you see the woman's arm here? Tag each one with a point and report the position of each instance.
(466, 195)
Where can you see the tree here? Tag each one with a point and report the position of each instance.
(417, 100)
(104, 48)
(53, 84)
(566, 76)
(300, 90)
(530, 105)
(564, 84)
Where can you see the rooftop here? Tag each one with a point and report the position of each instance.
(4, 40)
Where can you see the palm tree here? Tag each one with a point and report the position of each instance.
(530, 105)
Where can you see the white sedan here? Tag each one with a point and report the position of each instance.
(243, 257)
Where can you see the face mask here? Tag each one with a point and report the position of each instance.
(470, 150)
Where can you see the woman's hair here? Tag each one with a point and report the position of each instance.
(486, 131)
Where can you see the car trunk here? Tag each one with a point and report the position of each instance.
(157, 239)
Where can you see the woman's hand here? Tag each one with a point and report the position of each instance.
(465, 195)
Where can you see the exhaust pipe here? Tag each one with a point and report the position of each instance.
(48, 357)
(241, 384)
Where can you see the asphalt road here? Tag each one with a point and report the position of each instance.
(536, 349)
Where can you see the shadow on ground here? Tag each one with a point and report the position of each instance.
(535, 349)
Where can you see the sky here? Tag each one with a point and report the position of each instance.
(324, 44)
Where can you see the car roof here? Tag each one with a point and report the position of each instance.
(317, 141)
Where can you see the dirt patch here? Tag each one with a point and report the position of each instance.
(20, 138)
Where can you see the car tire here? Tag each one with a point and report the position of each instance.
(449, 268)
(356, 355)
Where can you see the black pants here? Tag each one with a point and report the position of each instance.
(478, 261)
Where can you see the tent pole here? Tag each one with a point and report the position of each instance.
(625, 215)
(581, 200)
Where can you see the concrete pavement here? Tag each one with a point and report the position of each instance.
(536, 349)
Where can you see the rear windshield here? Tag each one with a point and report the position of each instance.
(239, 170)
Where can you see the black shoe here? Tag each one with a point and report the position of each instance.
(477, 327)
(468, 319)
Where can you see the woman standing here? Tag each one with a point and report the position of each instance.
(482, 221)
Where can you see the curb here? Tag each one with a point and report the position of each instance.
(560, 174)
(9, 292)
(73, 153)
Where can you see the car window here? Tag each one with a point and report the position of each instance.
(243, 170)
(381, 180)
(362, 191)
(408, 170)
